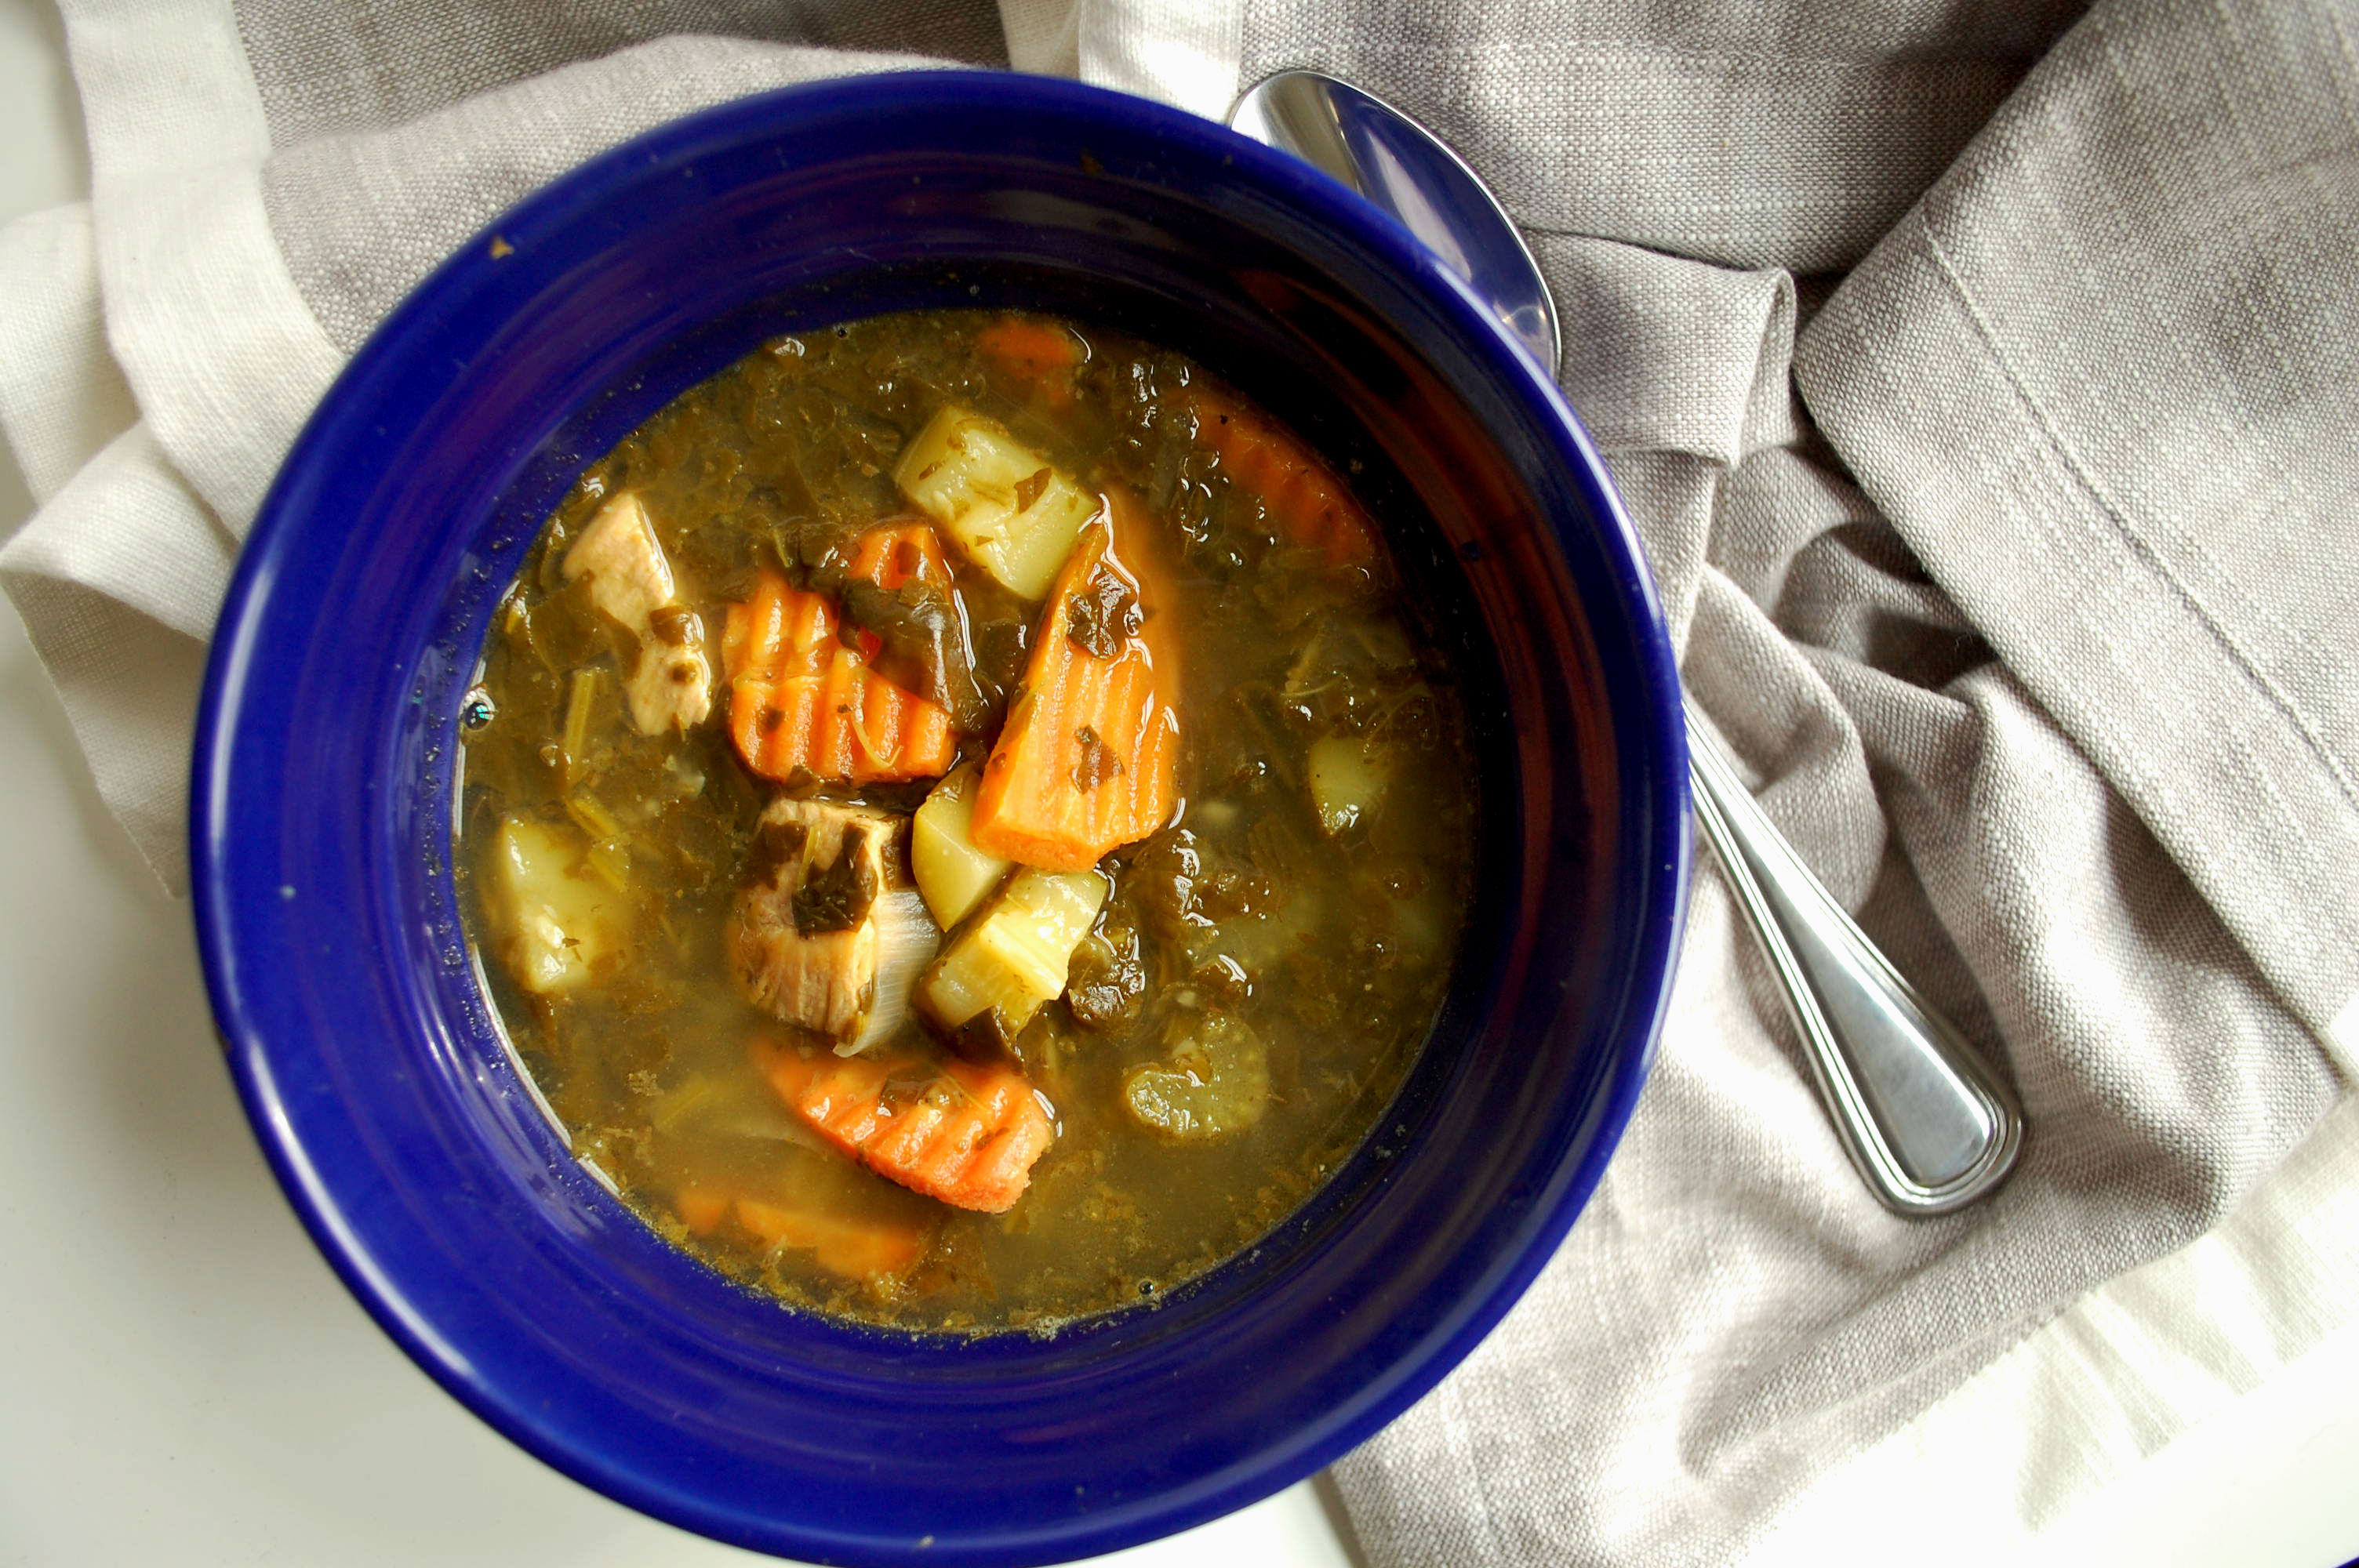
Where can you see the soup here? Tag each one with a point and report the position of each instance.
(965, 820)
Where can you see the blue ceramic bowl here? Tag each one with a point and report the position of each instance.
(363, 1044)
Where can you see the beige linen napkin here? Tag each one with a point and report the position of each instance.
(1982, 380)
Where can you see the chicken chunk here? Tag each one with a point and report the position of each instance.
(670, 683)
(803, 939)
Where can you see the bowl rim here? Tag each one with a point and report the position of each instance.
(248, 1052)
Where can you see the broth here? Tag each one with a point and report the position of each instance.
(994, 625)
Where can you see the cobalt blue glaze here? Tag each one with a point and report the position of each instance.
(357, 1032)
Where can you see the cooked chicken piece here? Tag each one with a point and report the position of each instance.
(631, 580)
(803, 939)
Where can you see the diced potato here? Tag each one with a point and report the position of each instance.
(558, 919)
(1349, 776)
(1014, 958)
(1215, 1082)
(1013, 514)
(952, 872)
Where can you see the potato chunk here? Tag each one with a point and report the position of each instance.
(1349, 776)
(558, 920)
(670, 683)
(952, 872)
(1002, 503)
(1013, 956)
(803, 938)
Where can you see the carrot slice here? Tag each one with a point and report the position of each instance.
(1304, 497)
(1089, 759)
(1035, 352)
(892, 553)
(800, 699)
(846, 1247)
(701, 1209)
(855, 1248)
(967, 1135)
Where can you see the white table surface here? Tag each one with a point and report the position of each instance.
(186, 1383)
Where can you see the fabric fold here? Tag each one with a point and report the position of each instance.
(119, 573)
(1790, 134)
(128, 683)
(62, 397)
(363, 216)
(1988, 375)
(119, 578)
(1184, 52)
(201, 314)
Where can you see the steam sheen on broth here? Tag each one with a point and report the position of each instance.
(966, 821)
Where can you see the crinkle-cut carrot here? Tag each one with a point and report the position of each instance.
(966, 1133)
(801, 700)
(1035, 352)
(856, 1249)
(1089, 759)
(1301, 493)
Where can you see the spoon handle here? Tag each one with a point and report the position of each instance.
(1929, 1125)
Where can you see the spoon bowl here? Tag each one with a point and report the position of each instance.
(1405, 169)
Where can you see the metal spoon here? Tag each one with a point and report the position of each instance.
(1930, 1127)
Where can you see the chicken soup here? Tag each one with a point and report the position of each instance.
(965, 820)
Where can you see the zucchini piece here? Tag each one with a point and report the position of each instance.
(952, 872)
(1002, 503)
(1012, 958)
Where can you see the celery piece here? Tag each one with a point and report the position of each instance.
(1214, 1083)
(578, 698)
